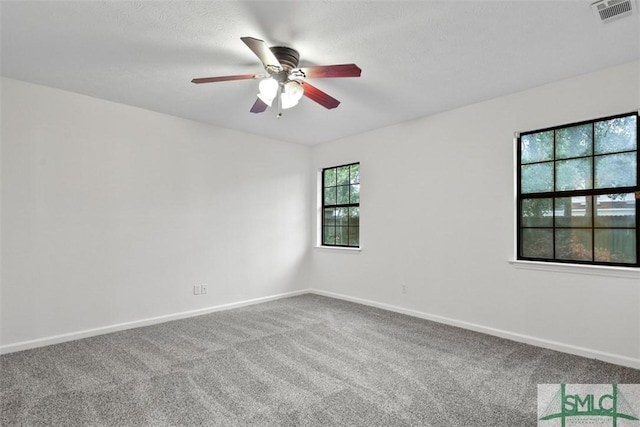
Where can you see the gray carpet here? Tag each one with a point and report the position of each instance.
(301, 361)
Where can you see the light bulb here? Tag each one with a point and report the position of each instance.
(291, 94)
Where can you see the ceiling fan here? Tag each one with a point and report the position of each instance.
(284, 82)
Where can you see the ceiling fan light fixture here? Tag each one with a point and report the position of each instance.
(268, 90)
(291, 94)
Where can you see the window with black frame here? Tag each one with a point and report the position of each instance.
(577, 193)
(341, 206)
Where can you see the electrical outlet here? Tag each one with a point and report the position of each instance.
(197, 289)
(403, 288)
(205, 288)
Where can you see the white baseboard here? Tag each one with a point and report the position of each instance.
(539, 342)
(526, 339)
(57, 339)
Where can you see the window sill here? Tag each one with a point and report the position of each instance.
(592, 270)
(338, 249)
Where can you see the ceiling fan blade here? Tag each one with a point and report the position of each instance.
(326, 71)
(262, 51)
(259, 106)
(227, 78)
(319, 96)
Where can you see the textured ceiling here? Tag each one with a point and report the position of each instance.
(417, 58)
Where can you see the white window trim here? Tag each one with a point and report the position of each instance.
(591, 270)
(338, 248)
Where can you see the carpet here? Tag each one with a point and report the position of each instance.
(301, 361)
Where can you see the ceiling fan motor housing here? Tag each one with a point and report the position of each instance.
(287, 56)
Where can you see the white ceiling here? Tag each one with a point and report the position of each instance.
(417, 58)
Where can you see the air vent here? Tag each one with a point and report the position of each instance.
(610, 10)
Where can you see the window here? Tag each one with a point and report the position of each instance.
(577, 193)
(341, 206)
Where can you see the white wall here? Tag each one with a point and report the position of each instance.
(437, 213)
(110, 214)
